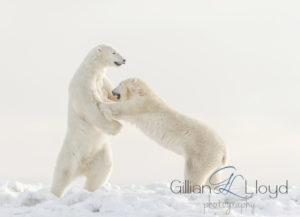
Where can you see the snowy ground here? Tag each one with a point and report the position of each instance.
(17, 199)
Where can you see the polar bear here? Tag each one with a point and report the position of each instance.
(203, 150)
(86, 150)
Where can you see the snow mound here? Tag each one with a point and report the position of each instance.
(17, 199)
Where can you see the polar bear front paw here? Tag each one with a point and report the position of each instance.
(115, 128)
(106, 111)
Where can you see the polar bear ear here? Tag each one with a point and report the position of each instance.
(141, 92)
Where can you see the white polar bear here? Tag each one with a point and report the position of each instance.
(86, 150)
(203, 150)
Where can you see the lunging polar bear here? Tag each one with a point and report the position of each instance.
(86, 150)
(203, 150)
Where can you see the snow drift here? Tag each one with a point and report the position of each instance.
(17, 199)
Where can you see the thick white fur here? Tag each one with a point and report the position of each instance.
(203, 150)
(86, 150)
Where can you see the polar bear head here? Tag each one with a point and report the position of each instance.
(132, 89)
(107, 56)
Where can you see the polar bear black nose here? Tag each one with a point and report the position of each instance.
(116, 94)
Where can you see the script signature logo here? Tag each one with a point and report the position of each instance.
(225, 186)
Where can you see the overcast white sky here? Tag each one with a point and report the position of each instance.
(232, 64)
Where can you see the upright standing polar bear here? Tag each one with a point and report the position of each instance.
(203, 150)
(86, 150)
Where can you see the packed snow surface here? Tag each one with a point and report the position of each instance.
(17, 199)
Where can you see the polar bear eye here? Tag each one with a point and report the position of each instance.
(114, 53)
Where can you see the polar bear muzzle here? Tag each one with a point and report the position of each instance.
(116, 92)
(120, 63)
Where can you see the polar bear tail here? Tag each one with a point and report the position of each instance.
(224, 159)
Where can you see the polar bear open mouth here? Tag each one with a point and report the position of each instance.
(118, 64)
(117, 95)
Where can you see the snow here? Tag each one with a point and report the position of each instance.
(35, 200)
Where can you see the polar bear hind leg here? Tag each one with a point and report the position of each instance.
(195, 171)
(99, 169)
(215, 178)
(63, 176)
